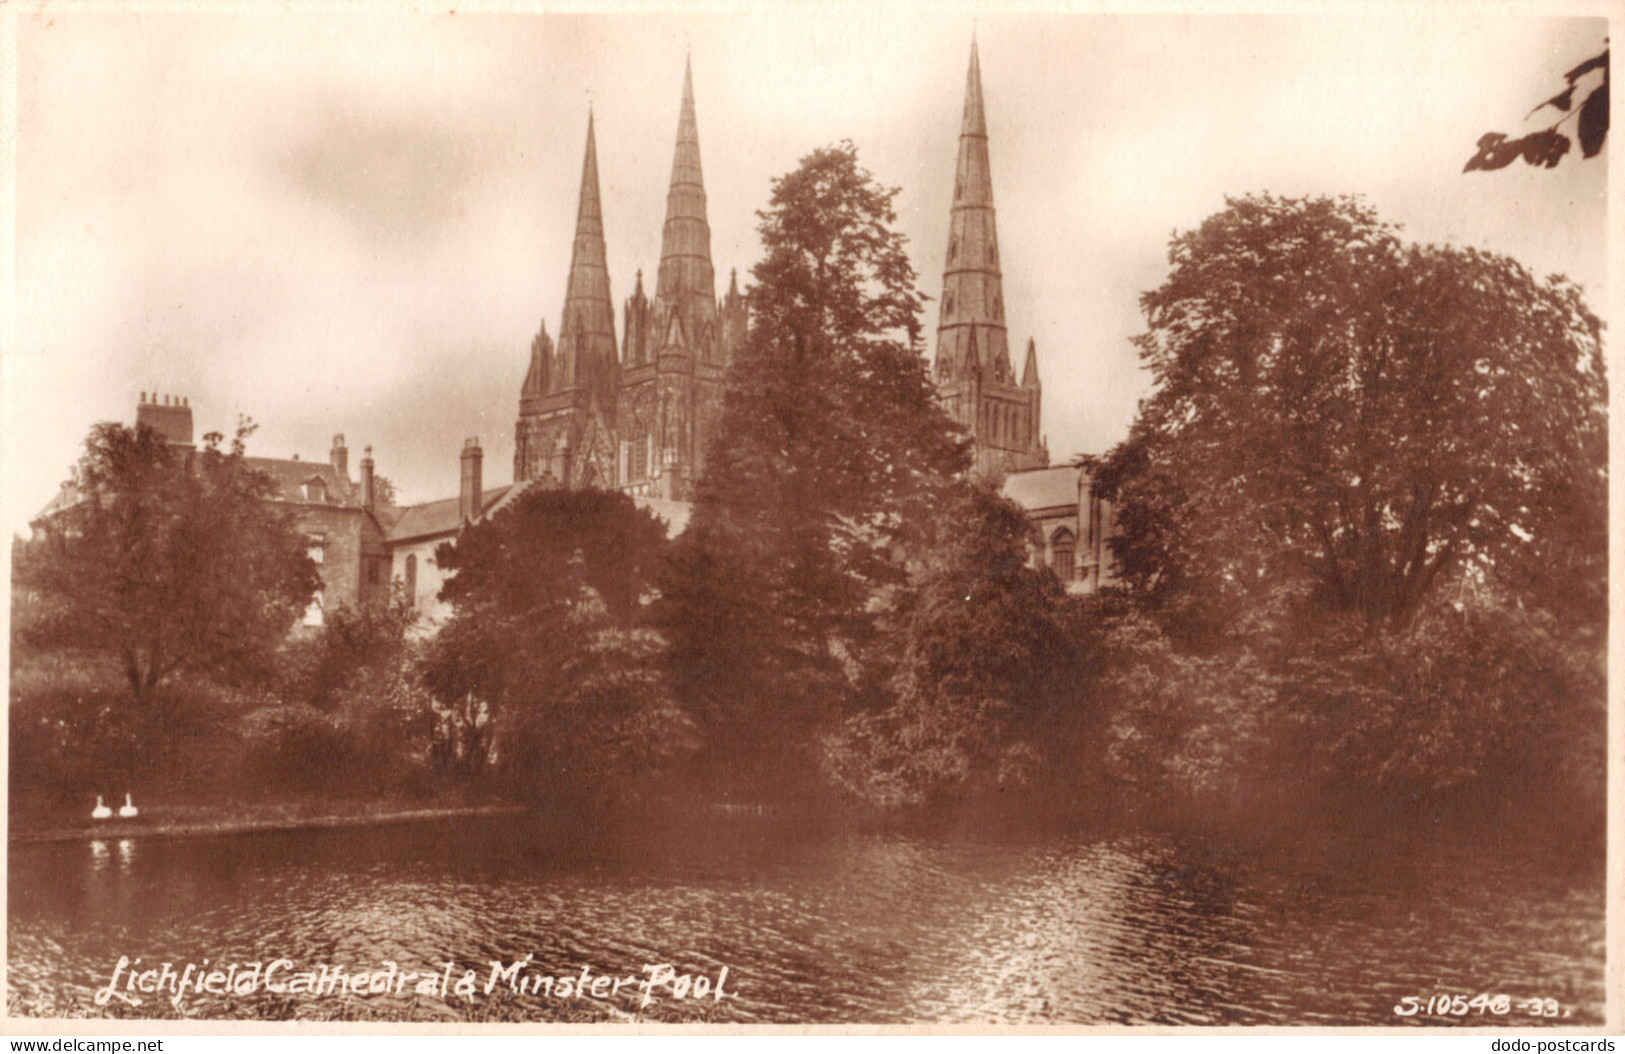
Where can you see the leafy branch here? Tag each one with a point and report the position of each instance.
(1548, 146)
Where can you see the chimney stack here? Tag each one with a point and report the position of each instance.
(340, 457)
(367, 491)
(172, 420)
(468, 504)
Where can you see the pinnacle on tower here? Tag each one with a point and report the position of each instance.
(587, 331)
(1029, 372)
(539, 377)
(685, 247)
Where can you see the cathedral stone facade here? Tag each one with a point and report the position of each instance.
(637, 418)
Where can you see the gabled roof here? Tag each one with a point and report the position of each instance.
(1044, 488)
(440, 517)
(291, 475)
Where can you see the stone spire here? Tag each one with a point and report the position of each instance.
(685, 247)
(1029, 372)
(539, 377)
(587, 332)
(972, 288)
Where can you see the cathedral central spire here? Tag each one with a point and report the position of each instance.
(587, 331)
(685, 246)
(973, 368)
(972, 287)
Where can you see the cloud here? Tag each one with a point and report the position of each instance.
(390, 177)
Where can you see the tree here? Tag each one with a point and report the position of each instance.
(172, 562)
(383, 490)
(981, 694)
(1341, 415)
(831, 450)
(546, 665)
(1548, 146)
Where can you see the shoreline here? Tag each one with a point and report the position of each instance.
(202, 829)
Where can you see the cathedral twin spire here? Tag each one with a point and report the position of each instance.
(587, 331)
(587, 357)
(685, 242)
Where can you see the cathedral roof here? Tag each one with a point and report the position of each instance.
(1044, 488)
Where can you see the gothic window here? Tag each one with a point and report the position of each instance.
(637, 456)
(948, 302)
(993, 253)
(953, 247)
(998, 307)
(1062, 555)
(412, 579)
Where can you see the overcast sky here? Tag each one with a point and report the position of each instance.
(354, 223)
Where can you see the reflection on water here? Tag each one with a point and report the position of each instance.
(828, 928)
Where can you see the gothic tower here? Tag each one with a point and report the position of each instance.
(974, 374)
(677, 345)
(566, 427)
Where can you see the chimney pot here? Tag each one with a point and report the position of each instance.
(469, 496)
(368, 487)
(339, 455)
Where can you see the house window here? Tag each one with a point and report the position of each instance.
(314, 616)
(315, 490)
(412, 578)
(316, 548)
(372, 572)
(1062, 555)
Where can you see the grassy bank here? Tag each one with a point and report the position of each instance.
(181, 821)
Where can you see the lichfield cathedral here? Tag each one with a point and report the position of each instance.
(637, 414)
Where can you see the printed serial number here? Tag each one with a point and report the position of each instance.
(1483, 1003)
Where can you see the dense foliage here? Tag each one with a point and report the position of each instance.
(172, 562)
(546, 671)
(1368, 418)
(983, 691)
(1363, 521)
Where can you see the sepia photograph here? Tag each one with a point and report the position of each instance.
(807, 515)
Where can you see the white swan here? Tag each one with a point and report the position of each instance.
(100, 812)
(127, 811)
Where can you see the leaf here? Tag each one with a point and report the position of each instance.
(1494, 151)
(1594, 121)
(1562, 101)
(1596, 62)
(1544, 148)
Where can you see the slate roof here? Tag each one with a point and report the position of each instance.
(1043, 488)
(291, 474)
(439, 517)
